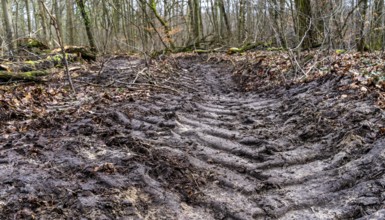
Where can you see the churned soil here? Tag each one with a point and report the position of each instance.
(197, 147)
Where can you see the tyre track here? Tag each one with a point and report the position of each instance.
(303, 153)
(206, 152)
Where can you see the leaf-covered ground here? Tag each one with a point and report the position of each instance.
(256, 136)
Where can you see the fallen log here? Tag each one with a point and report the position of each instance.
(29, 76)
(81, 52)
(31, 43)
(49, 62)
(246, 47)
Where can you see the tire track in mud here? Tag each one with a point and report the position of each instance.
(301, 153)
(312, 151)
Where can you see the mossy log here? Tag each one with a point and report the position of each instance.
(31, 43)
(55, 60)
(29, 76)
(81, 52)
(248, 46)
(233, 50)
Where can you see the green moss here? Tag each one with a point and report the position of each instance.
(340, 51)
(200, 51)
(233, 50)
(31, 62)
(267, 44)
(275, 49)
(31, 43)
(57, 59)
(31, 75)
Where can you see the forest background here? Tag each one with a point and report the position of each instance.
(181, 25)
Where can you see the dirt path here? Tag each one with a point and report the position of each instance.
(204, 151)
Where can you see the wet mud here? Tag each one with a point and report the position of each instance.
(203, 150)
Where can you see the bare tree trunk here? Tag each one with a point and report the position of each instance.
(116, 27)
(241, 20)
(8, 27)
(194, 21)
(305, 23)
(43, 23)
(277, 10)
(225, 19)
(28, 17)
(164, 24)
(70, 22)
(35, 17)
(214, 20)
(376, 36)
(58, 16)
(15, 23)
(361, 46)
(87, 24)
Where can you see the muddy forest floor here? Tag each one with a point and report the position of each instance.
(192, 137)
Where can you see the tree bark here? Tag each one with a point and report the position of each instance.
(29, 76)
(43, 23)
(377, 33)
(361, 46)
(277, 11)
(305, 24)
(225, 19)
(241, 20)
(8, 27)
(28, 11)
(58, 16)
(164, 24)
(70, 22)
(87, 24)
(194, 21)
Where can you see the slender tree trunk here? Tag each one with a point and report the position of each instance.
(305, 23)
(164, 24)
(58, 16)
(319, 23)
(275, 11)
(194, 21)
(241, 20)
(35, 17)
(70, 22)
(27, 10)
(8, 27)
(116, 14)
(376, 28)
(282, 22)
(15, 23)
(225, 19)
(43, 23)
(214, 20)
(87, 24)
(361, 46)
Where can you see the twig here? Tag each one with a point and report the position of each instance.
(33, 54)
(58, 34)
(292, 57)
(103, 65)
(139, 73)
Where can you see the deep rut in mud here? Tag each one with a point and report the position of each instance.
(207, 151)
